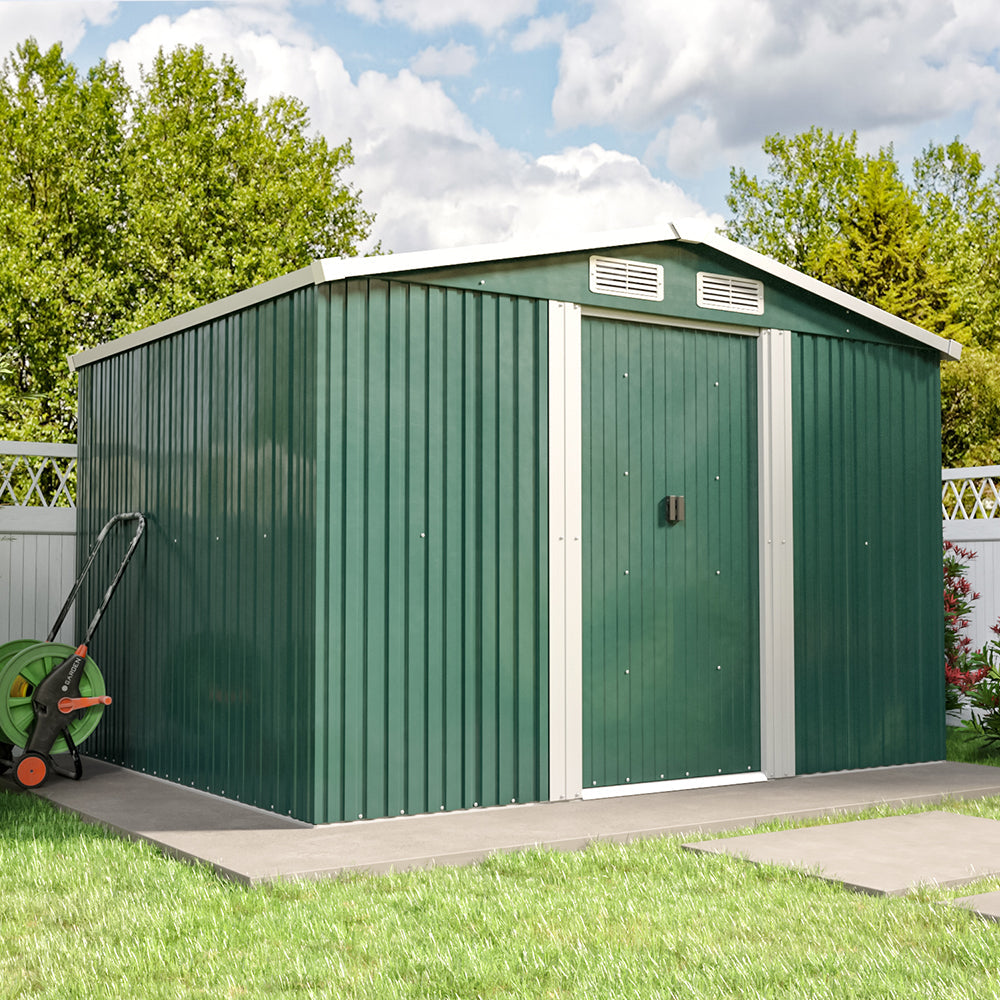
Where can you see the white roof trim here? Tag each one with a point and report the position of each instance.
(340, 268)
(196, 317)
(949, 348)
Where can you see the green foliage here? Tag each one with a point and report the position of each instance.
(961, 210)
(970, 409)
(927, 252)
(880, 254)
(795, 214)
(984, 700)
(120, 207)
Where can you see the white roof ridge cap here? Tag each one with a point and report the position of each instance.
(338, 268)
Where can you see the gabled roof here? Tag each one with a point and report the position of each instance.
(340, 268)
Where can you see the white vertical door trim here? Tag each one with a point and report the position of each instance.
(565, 552)
(777, 562)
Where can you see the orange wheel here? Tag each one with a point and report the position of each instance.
(30, 771)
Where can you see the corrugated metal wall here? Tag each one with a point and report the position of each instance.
(208, 648)
(431, 641)
(869, 643)
(670, 641)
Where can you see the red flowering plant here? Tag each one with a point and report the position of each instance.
(984, 696)
(963, 668)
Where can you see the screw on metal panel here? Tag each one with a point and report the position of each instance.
(626, 472)
(512, 801)
(442, 808)
(423, 534)
(626, 572)
(719, 667)
(716, 478)
(628, 779)
(625, 375)
(661, 775)
(360, 815)
(720, 770)
(718, 572)
(265, 534)
(402, 812)
(626, 671)
(593, 782)
(475, 803)
(687, 774)
(717, 385)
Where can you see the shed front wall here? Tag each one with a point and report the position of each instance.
(869, 647)
(207, 647)
(432, 621)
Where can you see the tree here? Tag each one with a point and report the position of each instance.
(120, 207)
(961, 207)
(881, 251)
(795, 214)
(928, 253)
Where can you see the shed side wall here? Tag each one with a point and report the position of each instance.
(432, 638)
(207, 648)
(869, 688)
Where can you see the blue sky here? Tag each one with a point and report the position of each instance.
(484, 120)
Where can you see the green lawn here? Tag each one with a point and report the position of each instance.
(960, 747)
(87, 915)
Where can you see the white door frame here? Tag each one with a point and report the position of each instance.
(776, 557)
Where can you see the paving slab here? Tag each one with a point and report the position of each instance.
(888, 856)
(253, 845)
(984, 904)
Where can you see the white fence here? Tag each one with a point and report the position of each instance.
(37, 538)
(970, 512)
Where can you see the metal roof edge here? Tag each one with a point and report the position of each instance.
(339, 268)
(196, 317)
(947, 348)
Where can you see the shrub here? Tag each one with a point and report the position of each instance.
(963, 668)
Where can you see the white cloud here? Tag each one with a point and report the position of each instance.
(431, 15)
(63, 21)
(429, 174)
(715, 76)
(541, 31)
(451, 60)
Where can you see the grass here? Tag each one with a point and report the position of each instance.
(962, 746)
(87, 915)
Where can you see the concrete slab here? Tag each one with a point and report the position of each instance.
(253, 845)
(886, 856)
(984, 904)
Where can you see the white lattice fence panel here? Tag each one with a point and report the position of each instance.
(37, 538)
(37, 475)
(970, 512)
(970, 494)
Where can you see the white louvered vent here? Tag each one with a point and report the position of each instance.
(722, 291)
(630, 278)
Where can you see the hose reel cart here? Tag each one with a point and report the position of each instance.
(52, 696)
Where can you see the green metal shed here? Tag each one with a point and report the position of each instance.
(462, 528)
